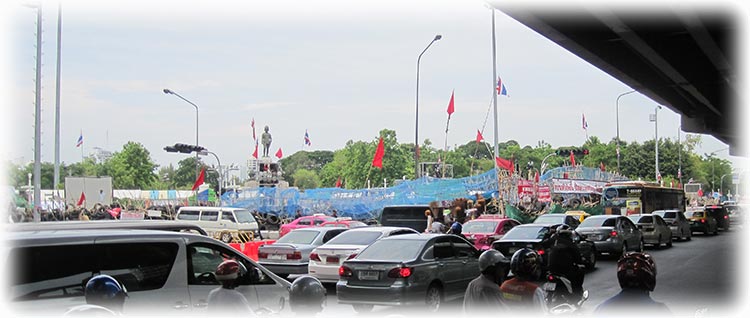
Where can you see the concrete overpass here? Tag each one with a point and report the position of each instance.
(684, 59)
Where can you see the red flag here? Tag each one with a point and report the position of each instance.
(479, 136)
(536, 176)
(601, 166)
(279, 154)
(505, 164)
(252, 123)
(338, 182)
(450, 106)
(572, 159)
(700, 192)
(255, 153)
(199, 181)
(377, 160)
(82, 199)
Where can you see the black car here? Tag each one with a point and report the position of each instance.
(721, 215)
(536, 237)
(556, 218)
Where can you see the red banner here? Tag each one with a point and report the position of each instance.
(543, 194)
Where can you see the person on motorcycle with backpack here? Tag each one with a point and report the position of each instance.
(483, 294)
(563, 258)
(636, 273)
(520, 293)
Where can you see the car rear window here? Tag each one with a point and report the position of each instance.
(550, 218)
(299, 237)
(355, 238)
(391, 250)
(526, 233)
(597, 222)
(697, 214)
(641, 219)
(244, 216)
(480, 227)
(667, 215)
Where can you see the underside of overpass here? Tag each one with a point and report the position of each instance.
(683, 58)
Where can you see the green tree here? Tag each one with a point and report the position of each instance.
(306, 179)
(313, 161)
(131, 168)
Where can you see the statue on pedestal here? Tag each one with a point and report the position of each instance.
(265, 139)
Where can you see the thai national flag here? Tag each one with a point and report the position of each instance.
(584, 124)
(80, 141)
(501, 87)
(307, 139)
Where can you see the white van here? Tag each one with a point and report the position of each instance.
(223, 223)
(166, 273)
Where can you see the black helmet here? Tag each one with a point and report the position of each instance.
(564, 230)
(307, 295)
(636, 270)
(526, 264)
(103, 290)
(228, 271)
(491, 258)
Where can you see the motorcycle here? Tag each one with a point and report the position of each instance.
(559, 295)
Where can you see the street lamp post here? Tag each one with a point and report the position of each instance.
(544, 165)
(655, 119)
(197, 163)
(721, 183)
(205, 152)
(416, 125)
(617, 110)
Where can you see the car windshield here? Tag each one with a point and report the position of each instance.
(598, 222)
(299, 237)
(697, 214)
(244, 216)
(549, 218)
(641, 219)
(526, 233)
(355, 238)
(391, 250)
(480, 227)
(666, 215)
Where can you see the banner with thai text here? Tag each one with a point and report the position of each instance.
(577, 186)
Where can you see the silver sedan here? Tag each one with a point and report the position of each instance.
(291, 253)
(655, 231)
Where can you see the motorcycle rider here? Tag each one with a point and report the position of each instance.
(105, 296)
(224, 299)
(636, 273)
(520, 293)
(563, 258)
(307, 295)
(483, 294)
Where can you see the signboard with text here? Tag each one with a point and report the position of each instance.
(577, 186)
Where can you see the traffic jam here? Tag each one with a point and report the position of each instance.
(324, 264)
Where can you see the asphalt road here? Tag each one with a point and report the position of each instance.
(696, 278)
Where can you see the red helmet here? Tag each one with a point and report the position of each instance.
(636, 270)
(228, 270)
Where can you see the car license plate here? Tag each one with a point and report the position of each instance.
(274, 256)
(550, 287)
(368, 275)
(332, 259)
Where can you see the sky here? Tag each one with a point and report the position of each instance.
(338, 70)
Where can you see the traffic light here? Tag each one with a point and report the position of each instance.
(184, 148)
(576, 151)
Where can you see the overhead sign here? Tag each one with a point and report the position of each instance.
(577, 186)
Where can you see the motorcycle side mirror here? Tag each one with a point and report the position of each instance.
(585, 294)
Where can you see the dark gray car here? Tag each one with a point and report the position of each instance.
(412, 269)
(655, 231)
(558, 219)
(677, 222)
(291, 253)
(612, 234)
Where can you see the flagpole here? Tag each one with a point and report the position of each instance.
(494, 101)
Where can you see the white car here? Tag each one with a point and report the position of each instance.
(166, 273)
(326, 259)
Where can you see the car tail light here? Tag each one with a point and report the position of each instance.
(314, 257)
(352, 256)
(703, 220)
(295, 255)
(262, 255)
(400, 272)
(613, 233)
(550, 278)
(345, 271)
(726, 217)
(540, 252)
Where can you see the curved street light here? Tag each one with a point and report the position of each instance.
(416, 125)
(617, 102)
(197, 164)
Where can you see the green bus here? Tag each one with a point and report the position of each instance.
(638, 197)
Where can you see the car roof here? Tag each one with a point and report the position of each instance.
(380, 229)
(72, 234)
(536, 225)
(318, 229)
(417, 236)
(165, 225)
(594, 217)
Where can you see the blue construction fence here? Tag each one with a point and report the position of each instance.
(360, 204)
